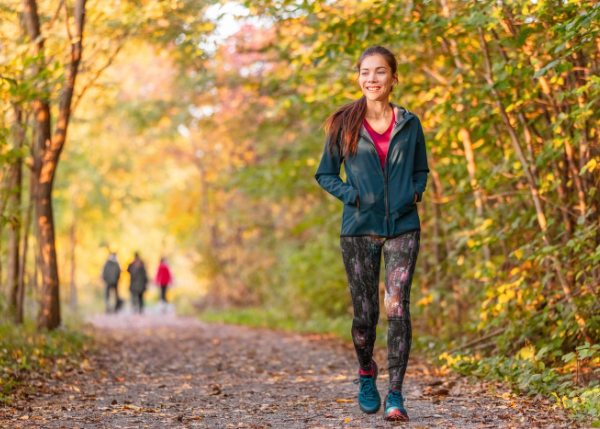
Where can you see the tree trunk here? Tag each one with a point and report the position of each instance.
(48, 150)
(14, 210)
(465, 136)
(19, 314)
(49, 314)
(436, 239)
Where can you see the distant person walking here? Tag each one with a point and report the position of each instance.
(138, 283)
(163, 279)
(111, 274)
(383, 148)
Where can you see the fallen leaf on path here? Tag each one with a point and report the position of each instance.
(345, 400)
(215, 389)
(455, 391)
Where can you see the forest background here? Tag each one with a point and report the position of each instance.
(196, 137)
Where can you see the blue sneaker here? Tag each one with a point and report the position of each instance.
(369, 400)
(394, 407)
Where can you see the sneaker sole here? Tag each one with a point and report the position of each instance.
(395, 417)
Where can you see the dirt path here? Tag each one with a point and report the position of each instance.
(169, 372)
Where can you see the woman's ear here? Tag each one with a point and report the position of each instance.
(395, 78)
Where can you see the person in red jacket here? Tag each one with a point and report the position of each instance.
(163, 279)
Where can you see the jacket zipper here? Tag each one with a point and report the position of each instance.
(385, 184)
(385, 171)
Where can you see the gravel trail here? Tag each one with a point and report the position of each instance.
(163, 371)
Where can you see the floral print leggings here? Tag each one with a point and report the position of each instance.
(362, 259)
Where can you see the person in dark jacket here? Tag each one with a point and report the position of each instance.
(382, 147)
(111, 274)
(138, 282)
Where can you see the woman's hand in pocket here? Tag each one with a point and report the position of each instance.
(416, 197)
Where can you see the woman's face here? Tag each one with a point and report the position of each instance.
(376, 79)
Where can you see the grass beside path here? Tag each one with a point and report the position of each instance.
(266, 318)
(26, 352)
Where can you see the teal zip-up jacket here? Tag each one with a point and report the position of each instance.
(386, 197)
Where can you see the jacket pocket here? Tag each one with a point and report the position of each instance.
(412, 199)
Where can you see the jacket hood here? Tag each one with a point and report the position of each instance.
(401, 113)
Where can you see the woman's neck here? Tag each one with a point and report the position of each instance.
(378, 109)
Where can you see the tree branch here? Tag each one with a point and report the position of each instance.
(97, 75)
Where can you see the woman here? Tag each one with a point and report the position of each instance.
(163, 279)
(383, 148)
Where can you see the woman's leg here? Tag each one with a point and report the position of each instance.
(400, 255)
(362, 259)
(163, 294)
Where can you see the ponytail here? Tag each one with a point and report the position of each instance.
(343, 127)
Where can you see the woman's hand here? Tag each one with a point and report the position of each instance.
(357, 202)
(416, 197)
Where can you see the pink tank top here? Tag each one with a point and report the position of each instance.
(382, 141)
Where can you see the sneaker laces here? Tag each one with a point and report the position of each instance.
(395, 399)
(367, 386)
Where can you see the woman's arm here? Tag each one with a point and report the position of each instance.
(420, 166)
(328, 176)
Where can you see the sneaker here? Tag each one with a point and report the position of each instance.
(394, 407)
(369, 400)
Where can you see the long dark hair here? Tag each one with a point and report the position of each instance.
(344, 125)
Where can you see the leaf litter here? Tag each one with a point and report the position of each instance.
(174, 372)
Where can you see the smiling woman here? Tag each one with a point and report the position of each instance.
(383, 149)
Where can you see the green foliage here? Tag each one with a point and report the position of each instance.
(24, 350)
(541, 373)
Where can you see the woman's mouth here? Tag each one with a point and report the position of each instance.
(373, 88)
